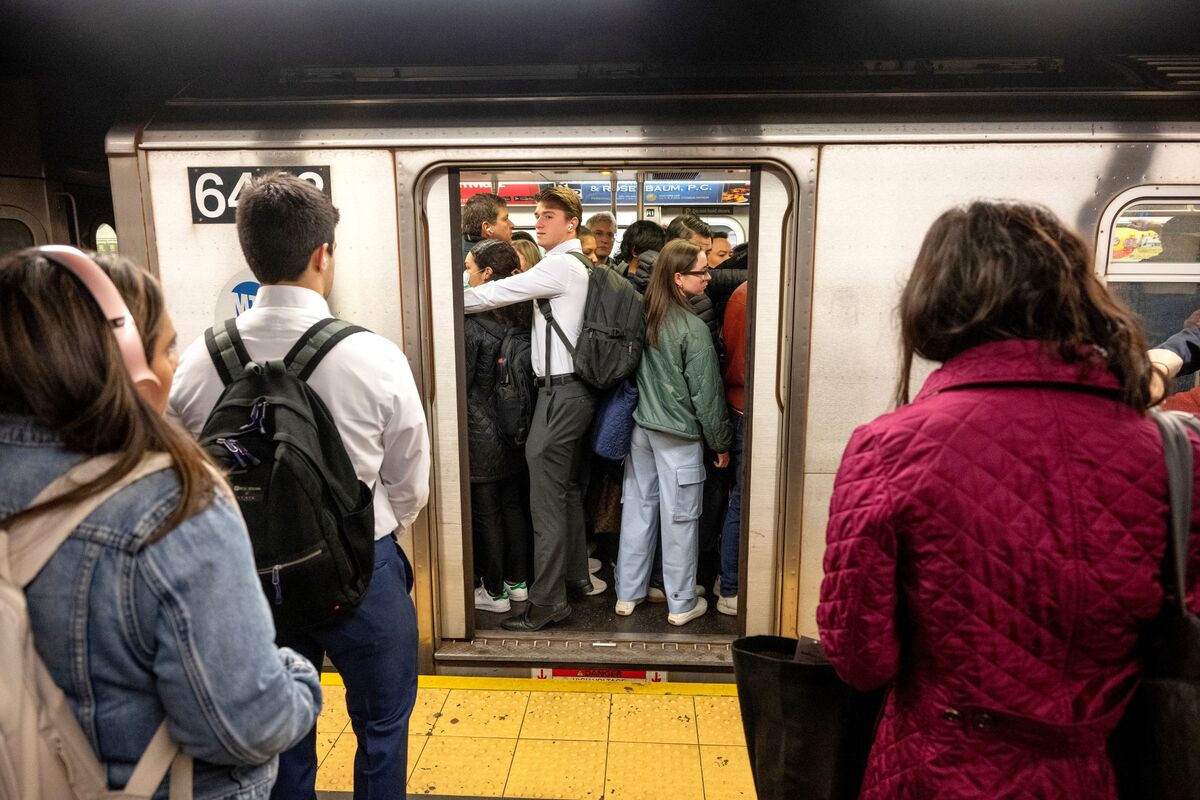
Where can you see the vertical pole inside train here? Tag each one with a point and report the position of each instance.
(641, 200)
(612, 196)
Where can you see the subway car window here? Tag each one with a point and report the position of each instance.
(1154, 266)
(719, 203)
(14, 235)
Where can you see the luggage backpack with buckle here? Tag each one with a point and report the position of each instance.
(610, 340)
(515, 390)
(44, 753)
(311, 520)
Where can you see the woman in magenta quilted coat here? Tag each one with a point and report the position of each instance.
(995, 544)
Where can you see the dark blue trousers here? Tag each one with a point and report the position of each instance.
(733, 515)
(375, 651)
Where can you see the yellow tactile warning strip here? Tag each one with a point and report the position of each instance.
(556, 740)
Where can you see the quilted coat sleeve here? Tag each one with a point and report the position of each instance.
(702, 373)
(857, 613)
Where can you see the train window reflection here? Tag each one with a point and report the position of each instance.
(1156, 233)
(1165, 309)
(14, 235)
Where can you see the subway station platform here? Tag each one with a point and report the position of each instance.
(555, 740)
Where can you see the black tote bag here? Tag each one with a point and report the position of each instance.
(808, 733)
(1156, 747)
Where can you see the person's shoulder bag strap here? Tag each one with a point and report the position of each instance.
(1177, 447)
(315, 344)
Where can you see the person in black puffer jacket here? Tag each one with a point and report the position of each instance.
(499, 522)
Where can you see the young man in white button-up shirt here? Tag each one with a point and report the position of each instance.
(286, 228)
(556, 447)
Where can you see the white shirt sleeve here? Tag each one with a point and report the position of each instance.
(194, 389)
(404, 471)
(542, 282)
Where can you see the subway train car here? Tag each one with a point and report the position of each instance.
(831, 174)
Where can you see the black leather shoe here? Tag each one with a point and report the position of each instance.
(577, 590)
(536, 617)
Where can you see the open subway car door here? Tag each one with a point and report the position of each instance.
(755, 199)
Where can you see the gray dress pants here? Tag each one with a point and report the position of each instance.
(556, 451)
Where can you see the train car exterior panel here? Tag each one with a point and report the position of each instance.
(896, 191)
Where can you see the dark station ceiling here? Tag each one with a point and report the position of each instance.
(92, 62)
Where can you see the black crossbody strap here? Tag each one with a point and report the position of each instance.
(227, 350)
(1177, 447)
(316, 343)
(553, 323)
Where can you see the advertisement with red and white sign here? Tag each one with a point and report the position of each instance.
(599, 674)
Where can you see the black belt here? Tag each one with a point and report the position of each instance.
(560, 380)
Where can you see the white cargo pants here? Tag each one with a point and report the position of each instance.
(664, 481)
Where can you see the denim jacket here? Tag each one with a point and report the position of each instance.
(177, 629)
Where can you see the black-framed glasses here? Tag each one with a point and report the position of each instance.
(700, 273)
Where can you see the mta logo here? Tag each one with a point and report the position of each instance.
(243, 296)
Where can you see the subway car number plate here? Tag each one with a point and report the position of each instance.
(215, 190)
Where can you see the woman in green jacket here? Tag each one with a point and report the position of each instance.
(681, 405)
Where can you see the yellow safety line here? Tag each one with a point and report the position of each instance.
(560, 685)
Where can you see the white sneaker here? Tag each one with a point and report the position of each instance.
(593, 565)
(728, 605)
(700, 592)
(656, 595)
(517, 592)
(485, 601)
(684, 617)
(626, 607)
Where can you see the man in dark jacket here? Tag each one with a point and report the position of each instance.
(485, 216)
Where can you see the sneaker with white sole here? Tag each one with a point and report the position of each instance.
(626, 607)
(700, 592)
(517, 592)
(728, 605)
(593, 565)
(656, 595)
(684, 617)
(486, 602)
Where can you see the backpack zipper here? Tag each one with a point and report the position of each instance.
(241, 455)
(274, 572)
(258, 416)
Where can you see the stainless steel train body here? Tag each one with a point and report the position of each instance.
(838, 213)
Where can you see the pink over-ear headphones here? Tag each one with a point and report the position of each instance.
(111, 304)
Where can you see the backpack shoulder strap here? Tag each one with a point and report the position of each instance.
(227, 350)
(544, 307)
(492, 326)
(33, 541)
(316, 343)
(587, 262)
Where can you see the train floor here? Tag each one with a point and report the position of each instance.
(596, 615)
(491, 738)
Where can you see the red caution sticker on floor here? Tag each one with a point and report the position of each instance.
(591, 674)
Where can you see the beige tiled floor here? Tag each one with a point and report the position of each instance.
(492, 738)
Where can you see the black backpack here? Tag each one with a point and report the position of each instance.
(311, 520)
(610, 341)
(516, 391)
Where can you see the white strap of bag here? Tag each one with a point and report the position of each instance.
(32, 543)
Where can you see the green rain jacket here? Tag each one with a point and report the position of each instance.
(679, 384)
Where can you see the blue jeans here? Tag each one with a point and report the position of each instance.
(731, 531)
(375, 651)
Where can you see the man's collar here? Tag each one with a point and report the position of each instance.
(565, 247)
(276, 296)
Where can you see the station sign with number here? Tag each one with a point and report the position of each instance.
(215, 190)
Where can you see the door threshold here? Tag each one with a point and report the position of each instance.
(711, 654)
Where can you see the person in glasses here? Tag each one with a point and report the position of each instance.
(681, 407)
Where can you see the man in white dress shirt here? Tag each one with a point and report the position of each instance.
(286, 229)
(556, 447)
